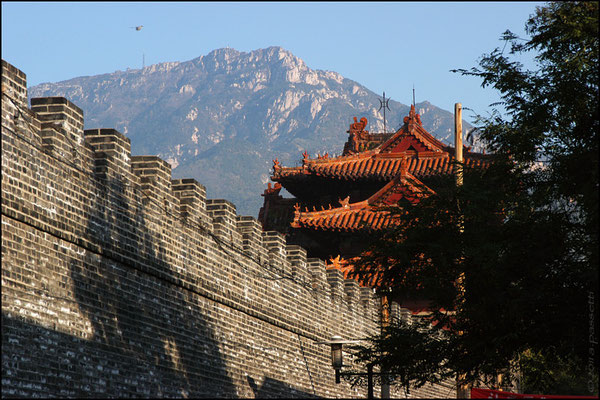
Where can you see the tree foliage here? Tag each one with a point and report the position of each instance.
(546, 372)
(508, 261)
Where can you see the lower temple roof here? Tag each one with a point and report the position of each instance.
(366, 214)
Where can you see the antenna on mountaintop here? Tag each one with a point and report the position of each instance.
(143, 60)
(384, 104)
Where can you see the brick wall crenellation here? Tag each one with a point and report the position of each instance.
(135, 284)
(120, 281)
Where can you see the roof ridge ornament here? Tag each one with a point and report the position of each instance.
(345, 203)
(358, 133)
(359, 126)
(272, 190)
(412, 117)
(304, 158)
(276, 165)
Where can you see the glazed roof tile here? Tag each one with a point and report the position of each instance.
(340, 219)
(364, 214)
(375, 166)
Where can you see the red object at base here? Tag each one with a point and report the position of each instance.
(498, 394)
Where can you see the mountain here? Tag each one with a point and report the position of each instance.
(223, 117)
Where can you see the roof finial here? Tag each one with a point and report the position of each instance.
(414, 104)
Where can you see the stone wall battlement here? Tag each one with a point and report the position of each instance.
(134, 284)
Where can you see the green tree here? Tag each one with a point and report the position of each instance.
(519, 276)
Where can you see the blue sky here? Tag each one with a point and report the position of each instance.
(385, 46)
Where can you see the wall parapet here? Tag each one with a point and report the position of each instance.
(131, 251)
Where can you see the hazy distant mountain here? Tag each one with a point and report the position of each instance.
(223, 117)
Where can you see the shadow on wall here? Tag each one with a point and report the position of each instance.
(154, 336)
(271, 386)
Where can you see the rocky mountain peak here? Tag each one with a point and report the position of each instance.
(222, 117)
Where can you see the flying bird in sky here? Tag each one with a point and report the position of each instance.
(137, 28)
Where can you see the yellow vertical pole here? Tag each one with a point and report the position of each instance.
(386, 308)
(462, 389)
(458, 143)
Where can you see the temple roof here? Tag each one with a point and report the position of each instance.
(364, 214)
(341, 219)
(425, 154)
(377, 165)
(400, 159)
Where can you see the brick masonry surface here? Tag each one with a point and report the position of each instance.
(118, 281)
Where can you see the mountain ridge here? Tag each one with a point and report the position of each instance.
(222, 118)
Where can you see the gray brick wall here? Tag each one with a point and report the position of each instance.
(118, 281)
